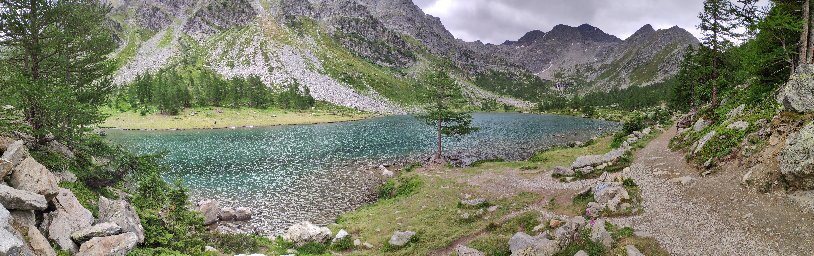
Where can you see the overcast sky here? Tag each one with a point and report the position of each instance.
(495, 21)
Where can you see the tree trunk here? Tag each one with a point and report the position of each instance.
(810, 28)
(804, 43)
(438, 156)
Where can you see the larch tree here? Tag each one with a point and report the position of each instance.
(446, 113)
(719, 25)
(56, 57)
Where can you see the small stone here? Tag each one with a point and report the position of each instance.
(492, 208)
(340, 235)
(463, 250)
(357, 242)
(473, 202)
(385, 172)
(210, 249)
(304, 232)
(685, 180)
(368, 245)
(581, 253)
(555, 223)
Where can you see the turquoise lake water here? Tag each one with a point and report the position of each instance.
(288, 174)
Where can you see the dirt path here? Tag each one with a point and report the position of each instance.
(712, 215)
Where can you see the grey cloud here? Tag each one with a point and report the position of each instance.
(495, 21)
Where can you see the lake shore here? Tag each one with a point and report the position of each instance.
(225, 118)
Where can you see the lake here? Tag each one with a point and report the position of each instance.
(288, 174)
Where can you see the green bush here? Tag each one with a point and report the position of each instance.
(400, 187)
(583, 243)
(343, 244)
(492, 245)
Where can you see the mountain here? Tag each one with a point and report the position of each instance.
(594, 60)
(371, 54)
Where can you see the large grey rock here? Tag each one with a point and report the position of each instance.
(463, 250)
(32, 176)
(68, 217)
(122, 214)
(210, 210)
(599, 234)
(563, 171)
(700, 125)
(587, 161)
(703, 142)
(24, 223)
(739, 125)
(614, 155)
(118, 245)
(306, 232)
(227, 214)
(797, 158)
(15, 199)
(401, 238)
(10, 244)
(524, 244)
(12, 156)
(98, 230)
(798, 94)
(243, 214)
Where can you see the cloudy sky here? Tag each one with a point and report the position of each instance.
(494, 21)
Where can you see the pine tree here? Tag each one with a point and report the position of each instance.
(445, 113)
(719, 24)
(56, 53)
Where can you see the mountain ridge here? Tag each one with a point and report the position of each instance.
(364, 54)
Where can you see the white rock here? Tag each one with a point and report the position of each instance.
(305, 232)
(340, 235)
(118, 245)
(210, 210)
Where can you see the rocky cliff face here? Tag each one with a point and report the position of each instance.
(366, 53)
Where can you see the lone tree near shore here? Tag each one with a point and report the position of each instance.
(447, 112)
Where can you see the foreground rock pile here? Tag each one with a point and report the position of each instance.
(36, 213)
(563, 233)
(595, 164)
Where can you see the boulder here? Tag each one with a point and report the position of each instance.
(700, 125)
(68, 217)
(524, 244)
(118, 245)
(385, 172)
(15, 199)
(401, 238)
(796, 160)
(342, 234)
(605, 191)
(587, 161)
(463, 250)
(16, 152)
(227, 214)
(614, 155)
(563, 171)
(703, 141)
(565, 234)
(633, 251)
(10, 244)
(31, 176)
(739, 125)
(243, 214)
(98, 230)
(601, 235)
(735, 112)
(305, 232)
(122, 214)
(798, 94)
(210, 210)
(594, 210)
(24, 222)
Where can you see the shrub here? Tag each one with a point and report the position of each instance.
(343, 244)
(583, 243)
(401, 187)
(492, 245)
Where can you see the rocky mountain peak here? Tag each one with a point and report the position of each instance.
(528, 38)
(584, 32)
(646, 30)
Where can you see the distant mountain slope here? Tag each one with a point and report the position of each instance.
(369, 54)
(598, 60)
